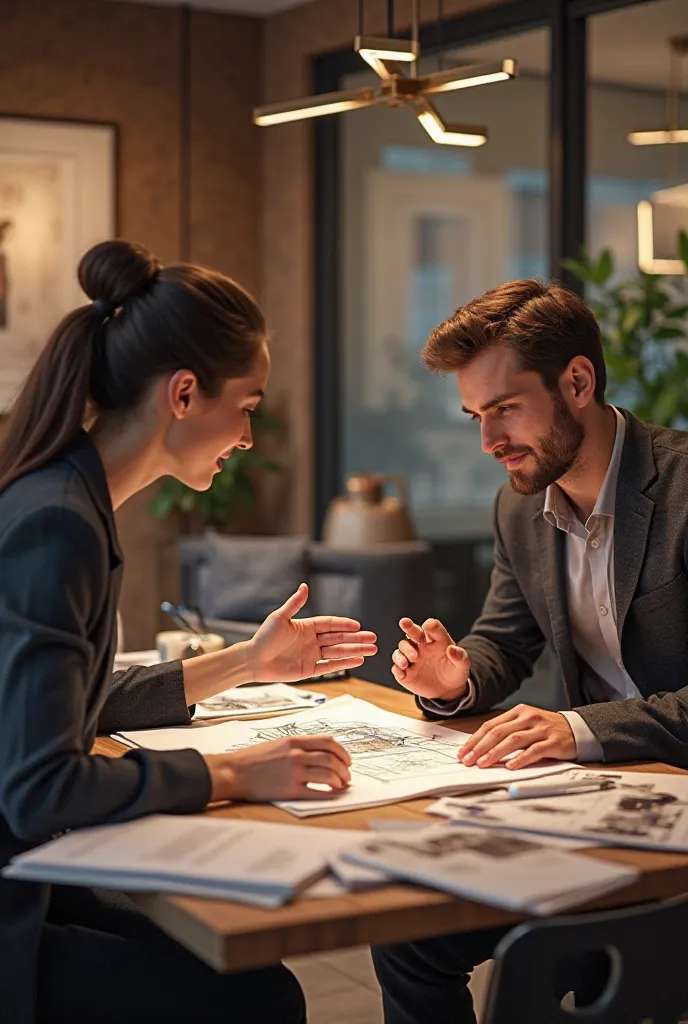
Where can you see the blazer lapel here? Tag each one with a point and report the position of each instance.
(633, 514)
(553, 564)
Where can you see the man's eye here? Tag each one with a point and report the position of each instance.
(503, 409)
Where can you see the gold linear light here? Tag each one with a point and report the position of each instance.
(662, 137)
(375, 50)
(388, 56)
(448, 135)
(671, 135)
(659, 221)
(314, 106)
(469, 76)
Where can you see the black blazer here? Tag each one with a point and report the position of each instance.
(60, 575)
(527, 602)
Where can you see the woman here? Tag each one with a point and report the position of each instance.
(165, 367)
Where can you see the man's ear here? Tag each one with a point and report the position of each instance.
(582, 378)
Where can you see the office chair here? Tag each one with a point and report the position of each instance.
(626, 967)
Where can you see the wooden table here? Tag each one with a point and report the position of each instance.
(230, 936)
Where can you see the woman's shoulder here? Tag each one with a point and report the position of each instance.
(55, 494)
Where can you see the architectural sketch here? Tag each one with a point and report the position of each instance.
(261, 702)
(377, 751)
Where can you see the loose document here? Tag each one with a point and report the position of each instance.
(638, 809)
(499, 868)
(253, 862)
(393, 757)
(241, 701)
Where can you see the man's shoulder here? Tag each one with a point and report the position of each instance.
(669, 445)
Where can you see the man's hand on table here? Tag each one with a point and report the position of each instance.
(428, 662)
(535, 733)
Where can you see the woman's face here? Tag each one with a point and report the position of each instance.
(204, 431)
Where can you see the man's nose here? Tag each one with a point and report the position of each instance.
(492, 437)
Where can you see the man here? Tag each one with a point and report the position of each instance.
(590, 556)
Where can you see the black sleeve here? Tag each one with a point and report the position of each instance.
(145, 697)
(53, 585)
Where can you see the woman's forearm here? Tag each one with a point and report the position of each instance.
(211, 673)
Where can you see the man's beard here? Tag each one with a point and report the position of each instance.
(558, 451)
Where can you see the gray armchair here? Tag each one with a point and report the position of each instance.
(376, 585)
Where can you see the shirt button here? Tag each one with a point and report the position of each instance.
(603, 610)
(594, 543)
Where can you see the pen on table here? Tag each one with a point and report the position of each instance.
(175, 614)
(524, 790)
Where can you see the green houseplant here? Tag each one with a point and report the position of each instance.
(644, 325)
(232, 491)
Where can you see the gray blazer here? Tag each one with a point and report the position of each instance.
(526, 605)
(60, 575)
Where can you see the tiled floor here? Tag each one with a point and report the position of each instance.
(341, 987)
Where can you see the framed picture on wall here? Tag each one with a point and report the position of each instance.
(57, 198)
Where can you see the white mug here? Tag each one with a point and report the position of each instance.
(173, 644)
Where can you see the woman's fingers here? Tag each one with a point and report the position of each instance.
(322, 743)
(363, 636)
(335, 624)
(322, 767)
(326, 665)
(349, 651)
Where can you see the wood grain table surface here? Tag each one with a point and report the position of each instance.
(231, 936)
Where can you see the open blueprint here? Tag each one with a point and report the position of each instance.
(636, 809)
(393, 757)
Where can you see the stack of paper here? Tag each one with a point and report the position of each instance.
(252, 862)
(493, 867)
(393, 757)
(638, 809)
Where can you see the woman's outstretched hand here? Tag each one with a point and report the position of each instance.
(286, 649)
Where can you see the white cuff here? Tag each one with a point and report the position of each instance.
(446, 707)
(587, 746)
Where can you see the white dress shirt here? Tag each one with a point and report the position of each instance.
(591, 603)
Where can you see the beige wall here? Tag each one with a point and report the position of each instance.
(120, 63)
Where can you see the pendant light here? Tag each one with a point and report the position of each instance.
(389, 56)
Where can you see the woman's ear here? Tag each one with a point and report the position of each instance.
(181, 390)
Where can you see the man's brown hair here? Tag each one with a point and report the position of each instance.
(547, 325)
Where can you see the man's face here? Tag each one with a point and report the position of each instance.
(529, 429)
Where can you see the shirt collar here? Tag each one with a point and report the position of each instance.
(557, 510)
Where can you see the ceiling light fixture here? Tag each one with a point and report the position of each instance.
(678, 47)
(387, 57)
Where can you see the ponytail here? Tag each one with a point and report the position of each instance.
(143, 322)
(51, 406)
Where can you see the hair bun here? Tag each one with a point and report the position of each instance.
(116, 271)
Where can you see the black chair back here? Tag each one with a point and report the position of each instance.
(625, 967)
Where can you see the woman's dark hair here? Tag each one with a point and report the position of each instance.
(146, 320)
(547, 325)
